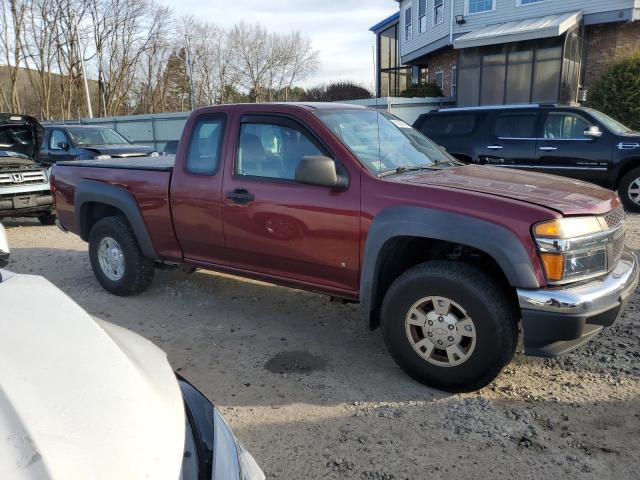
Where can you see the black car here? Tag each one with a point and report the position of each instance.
(572, 141)
(87, 142)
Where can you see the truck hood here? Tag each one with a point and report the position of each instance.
(117, 151)
(81, 399)
(567, 196)
(21, 134)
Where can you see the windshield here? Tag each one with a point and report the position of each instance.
(611, 124)
(84, 136)
(384, 143)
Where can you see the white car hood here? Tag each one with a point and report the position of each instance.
(81, 399)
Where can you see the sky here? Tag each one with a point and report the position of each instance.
(338, 29)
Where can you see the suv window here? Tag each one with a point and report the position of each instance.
(565, 126)
(272, 150)
(57, 136)
(519, 125)
(439, 125)
(203, 157)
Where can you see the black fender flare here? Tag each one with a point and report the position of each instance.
(89, 191)
(495, 240)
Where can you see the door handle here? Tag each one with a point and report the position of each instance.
(241, 196)
(548, 149)
(494, 147)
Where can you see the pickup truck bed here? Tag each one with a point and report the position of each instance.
(161, 164)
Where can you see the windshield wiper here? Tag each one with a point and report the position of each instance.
(411, 168)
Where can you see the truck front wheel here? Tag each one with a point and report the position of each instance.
(449, 325)
(116, 259)
(629, 190)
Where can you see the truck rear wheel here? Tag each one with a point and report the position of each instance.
(116, 258)
(449, 325)
(629, 190)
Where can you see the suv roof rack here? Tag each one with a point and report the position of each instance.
(497, 107)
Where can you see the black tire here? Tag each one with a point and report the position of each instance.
(494, 316)
(47, 219)
(138, 270)
(623, 190)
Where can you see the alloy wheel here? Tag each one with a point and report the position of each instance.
(440, 331)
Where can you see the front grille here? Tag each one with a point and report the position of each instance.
(615, 217)
(22, 178)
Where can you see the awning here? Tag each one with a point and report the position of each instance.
(529, 29)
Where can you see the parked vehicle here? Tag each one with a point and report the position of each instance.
(82, 398)
(24, 183)
(354, 203)
(86, 142)
(576, 142)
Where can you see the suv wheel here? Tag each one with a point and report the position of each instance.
(47, 219)
(448, 325)
(116, 259)
(629, 190)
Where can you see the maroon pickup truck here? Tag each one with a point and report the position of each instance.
(355, 204)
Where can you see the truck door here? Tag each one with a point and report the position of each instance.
(278, 227)
(563, 148)
(196, 189)
(512, 140)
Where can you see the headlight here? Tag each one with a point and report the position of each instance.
(220, 453)
(154, 154)
(576, 248)
(102, 157)
(231, 459)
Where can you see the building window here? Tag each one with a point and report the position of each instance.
(454, 81)
(394, 78)
(438, 12)
(439, 79)
(479, 6)
(422, 16)
(408, 27)
(528, 2)
(520, 72)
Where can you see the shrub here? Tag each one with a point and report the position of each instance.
(617, 92)
(426, 90)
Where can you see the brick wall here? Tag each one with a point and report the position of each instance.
(605, 43)
(441, 60)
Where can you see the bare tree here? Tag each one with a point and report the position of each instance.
(13, 15)
(135, 53)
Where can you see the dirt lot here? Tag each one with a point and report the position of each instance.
(313, 393)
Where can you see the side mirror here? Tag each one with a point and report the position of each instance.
(63, 145)
(321, 171)
(593, 132)
(4, 248)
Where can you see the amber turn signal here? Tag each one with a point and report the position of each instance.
(553, 266)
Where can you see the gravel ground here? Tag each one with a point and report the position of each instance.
(314, 394)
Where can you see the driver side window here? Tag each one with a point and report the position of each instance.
(565, 126)
(57, 137)
(272, 150)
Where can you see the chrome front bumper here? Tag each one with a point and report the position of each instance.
(556, 320)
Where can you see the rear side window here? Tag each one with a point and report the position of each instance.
(440, 125)
(521, 125)
(203, 156)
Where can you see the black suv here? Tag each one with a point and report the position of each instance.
(575, 142)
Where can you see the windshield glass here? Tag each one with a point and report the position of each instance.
(384, 143)
(611, 124)
(84, 136)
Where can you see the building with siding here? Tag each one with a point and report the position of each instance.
(512, 51)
